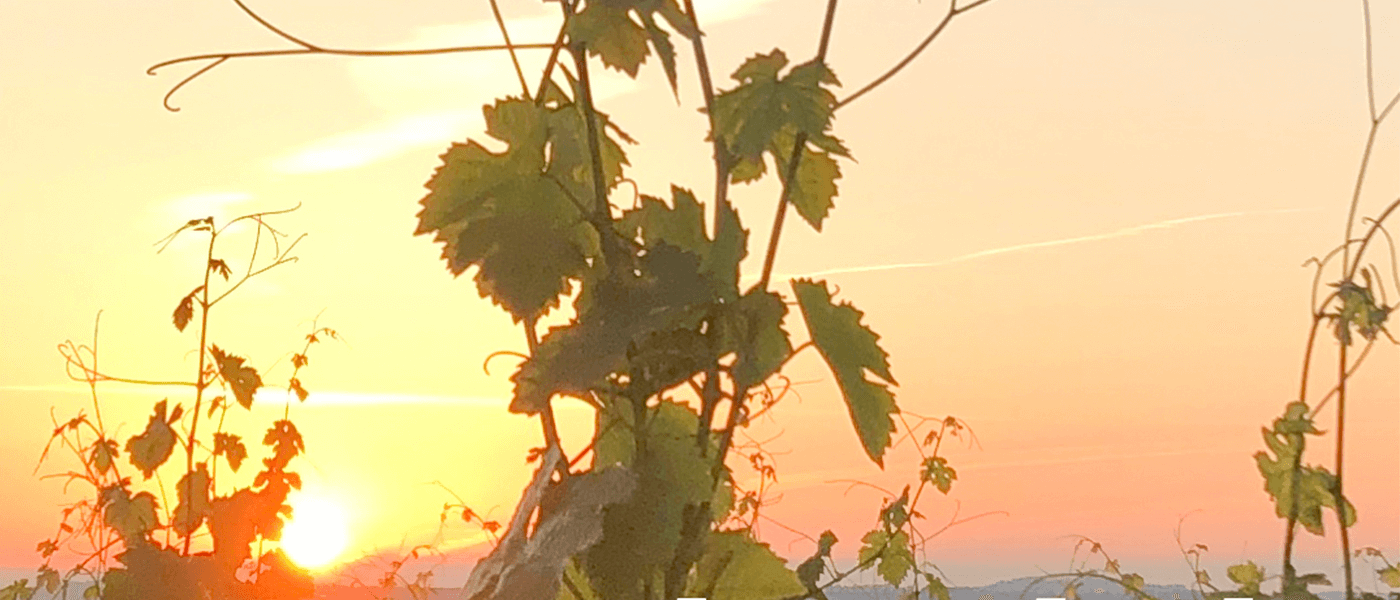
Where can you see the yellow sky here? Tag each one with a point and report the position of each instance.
(1077, 225)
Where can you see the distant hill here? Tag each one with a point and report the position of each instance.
(1089, 589)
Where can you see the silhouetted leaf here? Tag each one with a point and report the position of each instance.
(220, 267)
(231, 447)
(937, 471)
(850, 349)
(285, 441)
(132, 517)
(104, 451)
(149, 450)
(193, 494)
(243, 380)
(301, 392)
(185, 311)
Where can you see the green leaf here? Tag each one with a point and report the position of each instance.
(48, 579)
(243, 380)
(1314, 488)
(936, 470)
(641, 535)
(1248, 576)
(193, 493)
(670, 293)
(749, 116)
(1390, 576)
(231, 447)
(1358, 308)
(149, 450)
(890, 554)
(811, 569)
(511, 214)
(850, 349)
(683, 225)
(752, 328)
(736, 567)
(612, 35)
(814, 187)
(936, 587)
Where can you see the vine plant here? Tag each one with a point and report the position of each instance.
(664, 344)
(206, 541)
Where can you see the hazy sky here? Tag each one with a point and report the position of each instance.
(1077, 225)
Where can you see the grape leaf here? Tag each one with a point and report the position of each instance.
(737, 567)
(611, 34)
(185, 310)
(937, 471)
(670, 293)
(231, 447)
(749, 116)
(243, 380)
(193, 494)
(814, 187)
(131, 517)
(1248, 576)
(149, 450)
(1314, 488)
(510, 214)
(753, 329)
(811, 569)
(890, 554)
(683, 225)
(641, 535)
(104, 451)
(850, 349)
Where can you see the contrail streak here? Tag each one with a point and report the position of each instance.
(1127, 231)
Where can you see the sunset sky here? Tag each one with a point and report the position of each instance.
(1077, 225)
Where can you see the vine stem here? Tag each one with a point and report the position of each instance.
(200, 384)
(794, 159)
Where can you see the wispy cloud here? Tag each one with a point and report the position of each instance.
(204, 204)
(428, 93)
(379, 142)
(1125, 232)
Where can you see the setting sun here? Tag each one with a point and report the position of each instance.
(317, 533)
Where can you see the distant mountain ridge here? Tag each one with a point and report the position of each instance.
(1089, 589)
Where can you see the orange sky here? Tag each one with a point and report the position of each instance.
(1116, 379)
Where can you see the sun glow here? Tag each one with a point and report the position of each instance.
(317, 533)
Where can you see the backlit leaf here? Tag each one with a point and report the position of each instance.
(890, 554)
(131, 516)
(749, 116)
(104, 451)
(231, 447)
(193, 493)
(185, 310)
(734, 566)
(243, 380)
(850, 349)
(149, 450)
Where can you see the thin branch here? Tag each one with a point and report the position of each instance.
(505, 33)
(954, 11)
(794, 159)
(219, 58)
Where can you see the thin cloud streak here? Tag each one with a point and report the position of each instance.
(1125, 232)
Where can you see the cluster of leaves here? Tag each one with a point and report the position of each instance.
(125, 520)
(658, 313)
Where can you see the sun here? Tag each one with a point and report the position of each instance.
(317, 533)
